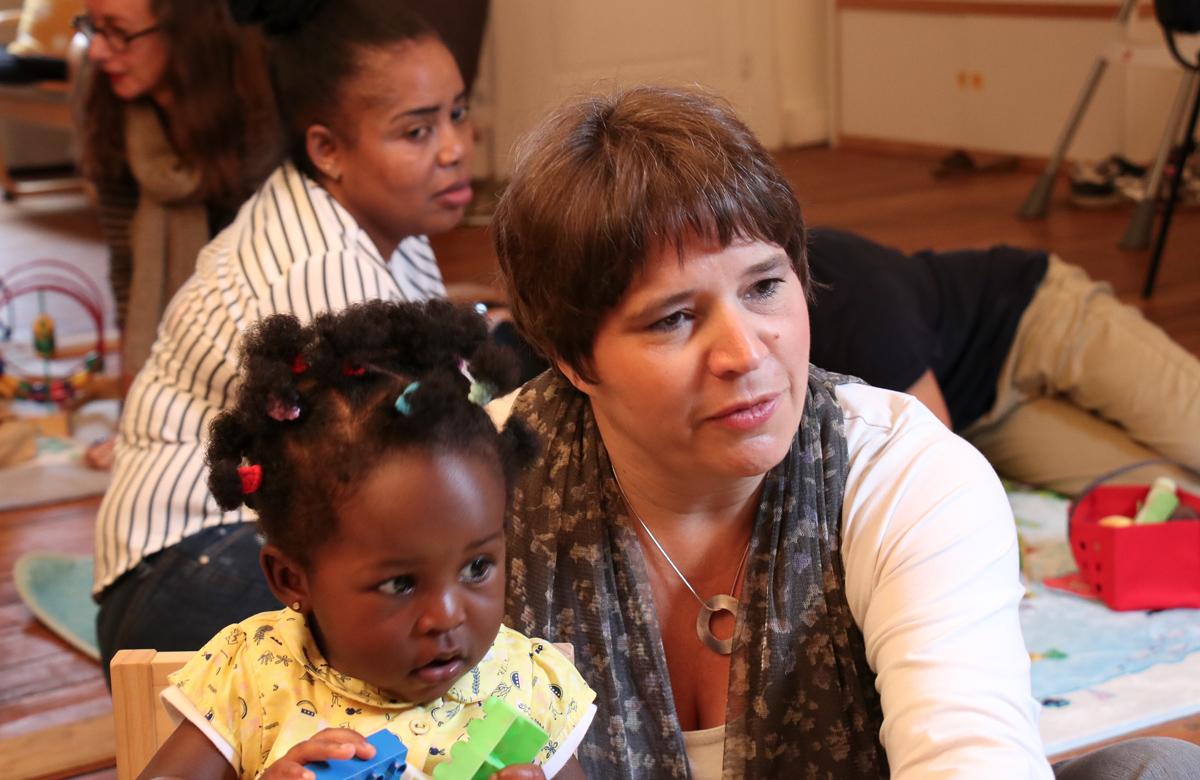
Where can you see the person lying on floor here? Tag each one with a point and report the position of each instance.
(1040, 367)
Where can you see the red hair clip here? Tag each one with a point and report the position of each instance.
(251, 478)
(299, 366)
(353, 370)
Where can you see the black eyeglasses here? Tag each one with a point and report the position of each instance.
(118, 40)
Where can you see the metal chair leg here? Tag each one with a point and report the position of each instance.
(1189, 146)
(1141, 224)
(1037, 202)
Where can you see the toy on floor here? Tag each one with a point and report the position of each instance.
(1160, 503)
(42, 277)
(501, 738)
(388, 763)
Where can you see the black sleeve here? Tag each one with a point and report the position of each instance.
(872, 327)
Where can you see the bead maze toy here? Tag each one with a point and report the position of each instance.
(388, 763)
(41, 277)
(501, 738)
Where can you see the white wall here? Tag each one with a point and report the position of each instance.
(1001, 83)
(769, 57)
(801, 42)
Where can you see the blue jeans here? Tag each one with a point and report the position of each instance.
(181, 597)
(1148, 758)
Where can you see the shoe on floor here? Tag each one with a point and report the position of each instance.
(1111, 182)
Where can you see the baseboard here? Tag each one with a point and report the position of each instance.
(925, 151)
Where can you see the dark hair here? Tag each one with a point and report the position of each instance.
(316, 409)
(317, 47)
(604, 181)
(222, 123)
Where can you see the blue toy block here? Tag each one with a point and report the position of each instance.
(388, 763)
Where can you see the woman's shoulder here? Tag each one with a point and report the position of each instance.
(895, 445)
(287, 224)
(911, 480)
(296, 214)
(879, 421)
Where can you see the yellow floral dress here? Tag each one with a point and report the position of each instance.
(262, 686)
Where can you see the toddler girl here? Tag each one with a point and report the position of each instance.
(380, 484)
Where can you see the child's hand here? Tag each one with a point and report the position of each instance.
(520, 772)
(327, 745)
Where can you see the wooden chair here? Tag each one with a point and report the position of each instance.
(140, 720)
(43, 103)
(141, 723)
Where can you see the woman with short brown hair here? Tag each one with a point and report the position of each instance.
(584, 220)
(766, 571)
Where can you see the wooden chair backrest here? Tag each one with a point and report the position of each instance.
(141, 723)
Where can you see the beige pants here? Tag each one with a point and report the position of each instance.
(1089, 386)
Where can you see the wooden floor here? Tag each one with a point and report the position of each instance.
(895, 200)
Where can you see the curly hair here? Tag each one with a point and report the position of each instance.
(316, 410)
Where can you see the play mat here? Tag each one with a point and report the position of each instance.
(1098, 673)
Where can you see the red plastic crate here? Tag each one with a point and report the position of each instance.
(1141, 566)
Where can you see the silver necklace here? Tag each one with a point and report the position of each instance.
(722, 602)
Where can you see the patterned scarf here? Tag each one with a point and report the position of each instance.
(169, 229)
(798, 671)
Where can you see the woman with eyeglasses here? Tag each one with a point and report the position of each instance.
(178, 128)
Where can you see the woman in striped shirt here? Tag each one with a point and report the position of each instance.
(380, 155)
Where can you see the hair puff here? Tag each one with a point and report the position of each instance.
(316, 434)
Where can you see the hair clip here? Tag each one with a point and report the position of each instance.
(277, 411)
(299, 365)
(353, 370)
(402, 404)
(251, 478)
(481, 393)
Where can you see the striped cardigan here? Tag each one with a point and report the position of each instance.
(291, 248)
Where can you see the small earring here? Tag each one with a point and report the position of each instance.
(296, 606)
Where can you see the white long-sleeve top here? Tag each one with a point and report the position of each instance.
(929, 548)
(932, 576)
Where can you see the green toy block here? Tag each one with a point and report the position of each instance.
(502, 737)
(1160, 503)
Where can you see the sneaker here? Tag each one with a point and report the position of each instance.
(1189, 187)
(1110, 182)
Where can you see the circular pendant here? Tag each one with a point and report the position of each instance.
(722, 602)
